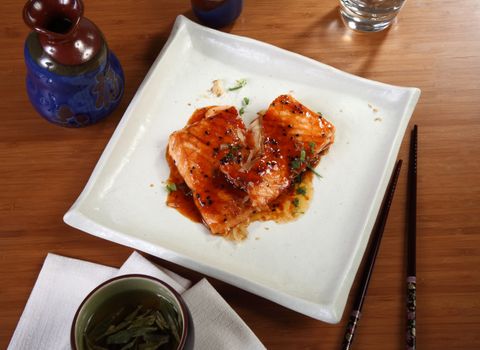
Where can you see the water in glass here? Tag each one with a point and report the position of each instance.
(369, 15)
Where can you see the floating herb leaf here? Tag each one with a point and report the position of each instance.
(99, 330)
(240, 83)
(171, 187)
(139, 328)
(126, 335)
(241, 111)
(129, 345)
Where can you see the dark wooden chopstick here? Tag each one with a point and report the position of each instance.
(372, 254)
(411, 241)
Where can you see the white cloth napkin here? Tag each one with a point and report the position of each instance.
(63, 283)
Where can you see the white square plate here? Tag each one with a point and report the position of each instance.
(307, 265)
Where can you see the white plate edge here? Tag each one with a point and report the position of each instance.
(76, 219)
(346, 285)
(195, 26)
(323, 312)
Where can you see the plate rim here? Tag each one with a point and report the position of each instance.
(328, 312)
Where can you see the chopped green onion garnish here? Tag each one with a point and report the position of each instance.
(245, 101)
(313, 171)
(240, 83)
(295, 164)
(296, 202)
(302, 155)
(171, 187)
(301, 190)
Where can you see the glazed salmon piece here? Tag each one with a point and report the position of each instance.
(214, 135)
(292, 139)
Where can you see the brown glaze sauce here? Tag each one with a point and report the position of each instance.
(182, 198)
(289, 206)
(292, 202)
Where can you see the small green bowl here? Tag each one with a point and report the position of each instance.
(126, 286)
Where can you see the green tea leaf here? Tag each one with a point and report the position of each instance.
(99, 331)
(173, 327)
(153, 341)
(126, 335)
(137, 310)
(160, 321)
(129, 345)
(143, 321)
(90, 345)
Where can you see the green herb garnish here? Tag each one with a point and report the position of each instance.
(313, 171)
(240, 83)
(171, 187)
(232, 153)
(312, 146)
(297, 179)
(302, 155)
(296, 163)
(301, 190)
(245, 103)
(296, 202)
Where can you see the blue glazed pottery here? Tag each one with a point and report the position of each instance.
(217, 13)
(73, 79)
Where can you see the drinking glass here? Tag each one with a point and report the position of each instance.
(369, 15)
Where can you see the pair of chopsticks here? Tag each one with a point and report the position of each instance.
(375, 245)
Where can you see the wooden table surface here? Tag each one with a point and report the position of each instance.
(434, 46)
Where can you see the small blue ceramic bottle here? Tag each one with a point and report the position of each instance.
(217, 13)
(73, 79)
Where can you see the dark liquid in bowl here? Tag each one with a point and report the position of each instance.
(130, 319)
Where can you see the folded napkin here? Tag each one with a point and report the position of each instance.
(63, 283)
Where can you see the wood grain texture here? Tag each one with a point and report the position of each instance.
(434, 46)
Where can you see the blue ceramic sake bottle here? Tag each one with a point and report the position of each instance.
(73, 79)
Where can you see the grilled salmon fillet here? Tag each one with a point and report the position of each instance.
(213, 135)
(292, 138)
(234, 172)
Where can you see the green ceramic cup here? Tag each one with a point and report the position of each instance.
(130, 285)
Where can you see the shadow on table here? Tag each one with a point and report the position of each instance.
(360, 49)
(191, 16)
